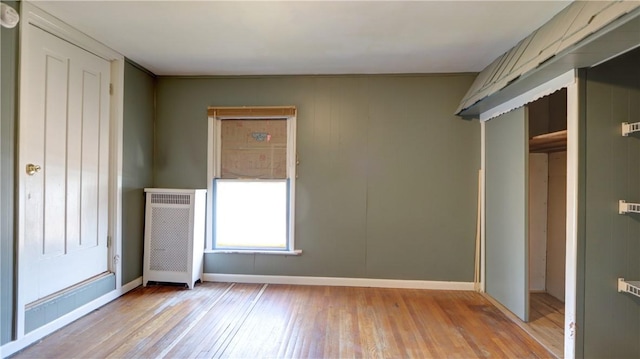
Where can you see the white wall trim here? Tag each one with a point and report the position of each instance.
(338, 281)
(30, 338)
(130, 286)
(296, 252)
(214, 162)
(483, 186)
(545, 89)
(571, 261)
(116, 149)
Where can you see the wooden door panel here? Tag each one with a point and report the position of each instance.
(66, 132)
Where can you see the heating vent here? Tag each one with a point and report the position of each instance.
(169, 198)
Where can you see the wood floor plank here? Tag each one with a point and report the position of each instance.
(546, 324)
(219, 320)
(547, 321)
(211, 334)
(171, 311)
(422, 320)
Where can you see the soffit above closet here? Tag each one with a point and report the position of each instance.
(584, 34)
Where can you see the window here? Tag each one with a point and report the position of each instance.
(250, 214)
(251, 169)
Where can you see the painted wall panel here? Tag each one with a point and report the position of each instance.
(558, 111)
(50, 310)
(8, 91)
(137, 173)
(538, 201)
(595, 15)
(612, 241)
(387, 180)
(507, 246)
(557, 225)
(548, 114)
(539, 116)
(482, 81)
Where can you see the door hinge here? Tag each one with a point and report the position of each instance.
(108, 241)
(110, 89)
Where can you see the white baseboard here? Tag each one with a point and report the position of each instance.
(37, 334)
(131, 285)
(338, 281)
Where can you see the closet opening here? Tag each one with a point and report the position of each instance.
(547, 118)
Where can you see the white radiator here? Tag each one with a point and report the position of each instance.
(174, 235)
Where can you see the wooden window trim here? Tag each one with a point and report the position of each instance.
(251, 112)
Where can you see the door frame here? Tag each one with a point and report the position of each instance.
(567, 80)
(32, 16)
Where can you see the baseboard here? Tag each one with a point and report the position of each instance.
(37, 334)
(338, 281)
(131, 285)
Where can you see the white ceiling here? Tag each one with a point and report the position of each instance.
(307, 37)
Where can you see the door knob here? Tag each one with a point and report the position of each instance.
(32, 169)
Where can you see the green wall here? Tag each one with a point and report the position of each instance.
(137, 173)
(45, 312)
(8, 91)
(387, 181)
(611, 241)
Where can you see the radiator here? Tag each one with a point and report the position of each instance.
(174, 236)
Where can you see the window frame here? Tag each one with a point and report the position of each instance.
(214, 150)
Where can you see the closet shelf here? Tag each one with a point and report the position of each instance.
(628, 128)
(549, 142)
(624, 207)
(632, 287)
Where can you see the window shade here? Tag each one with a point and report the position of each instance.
(254, 149)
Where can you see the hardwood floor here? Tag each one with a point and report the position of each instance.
(225, 320)
(546, 321)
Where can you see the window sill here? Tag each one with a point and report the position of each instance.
(295, 252)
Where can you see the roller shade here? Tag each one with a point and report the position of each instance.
(253, 149)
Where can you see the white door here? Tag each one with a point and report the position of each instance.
(64, 134)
